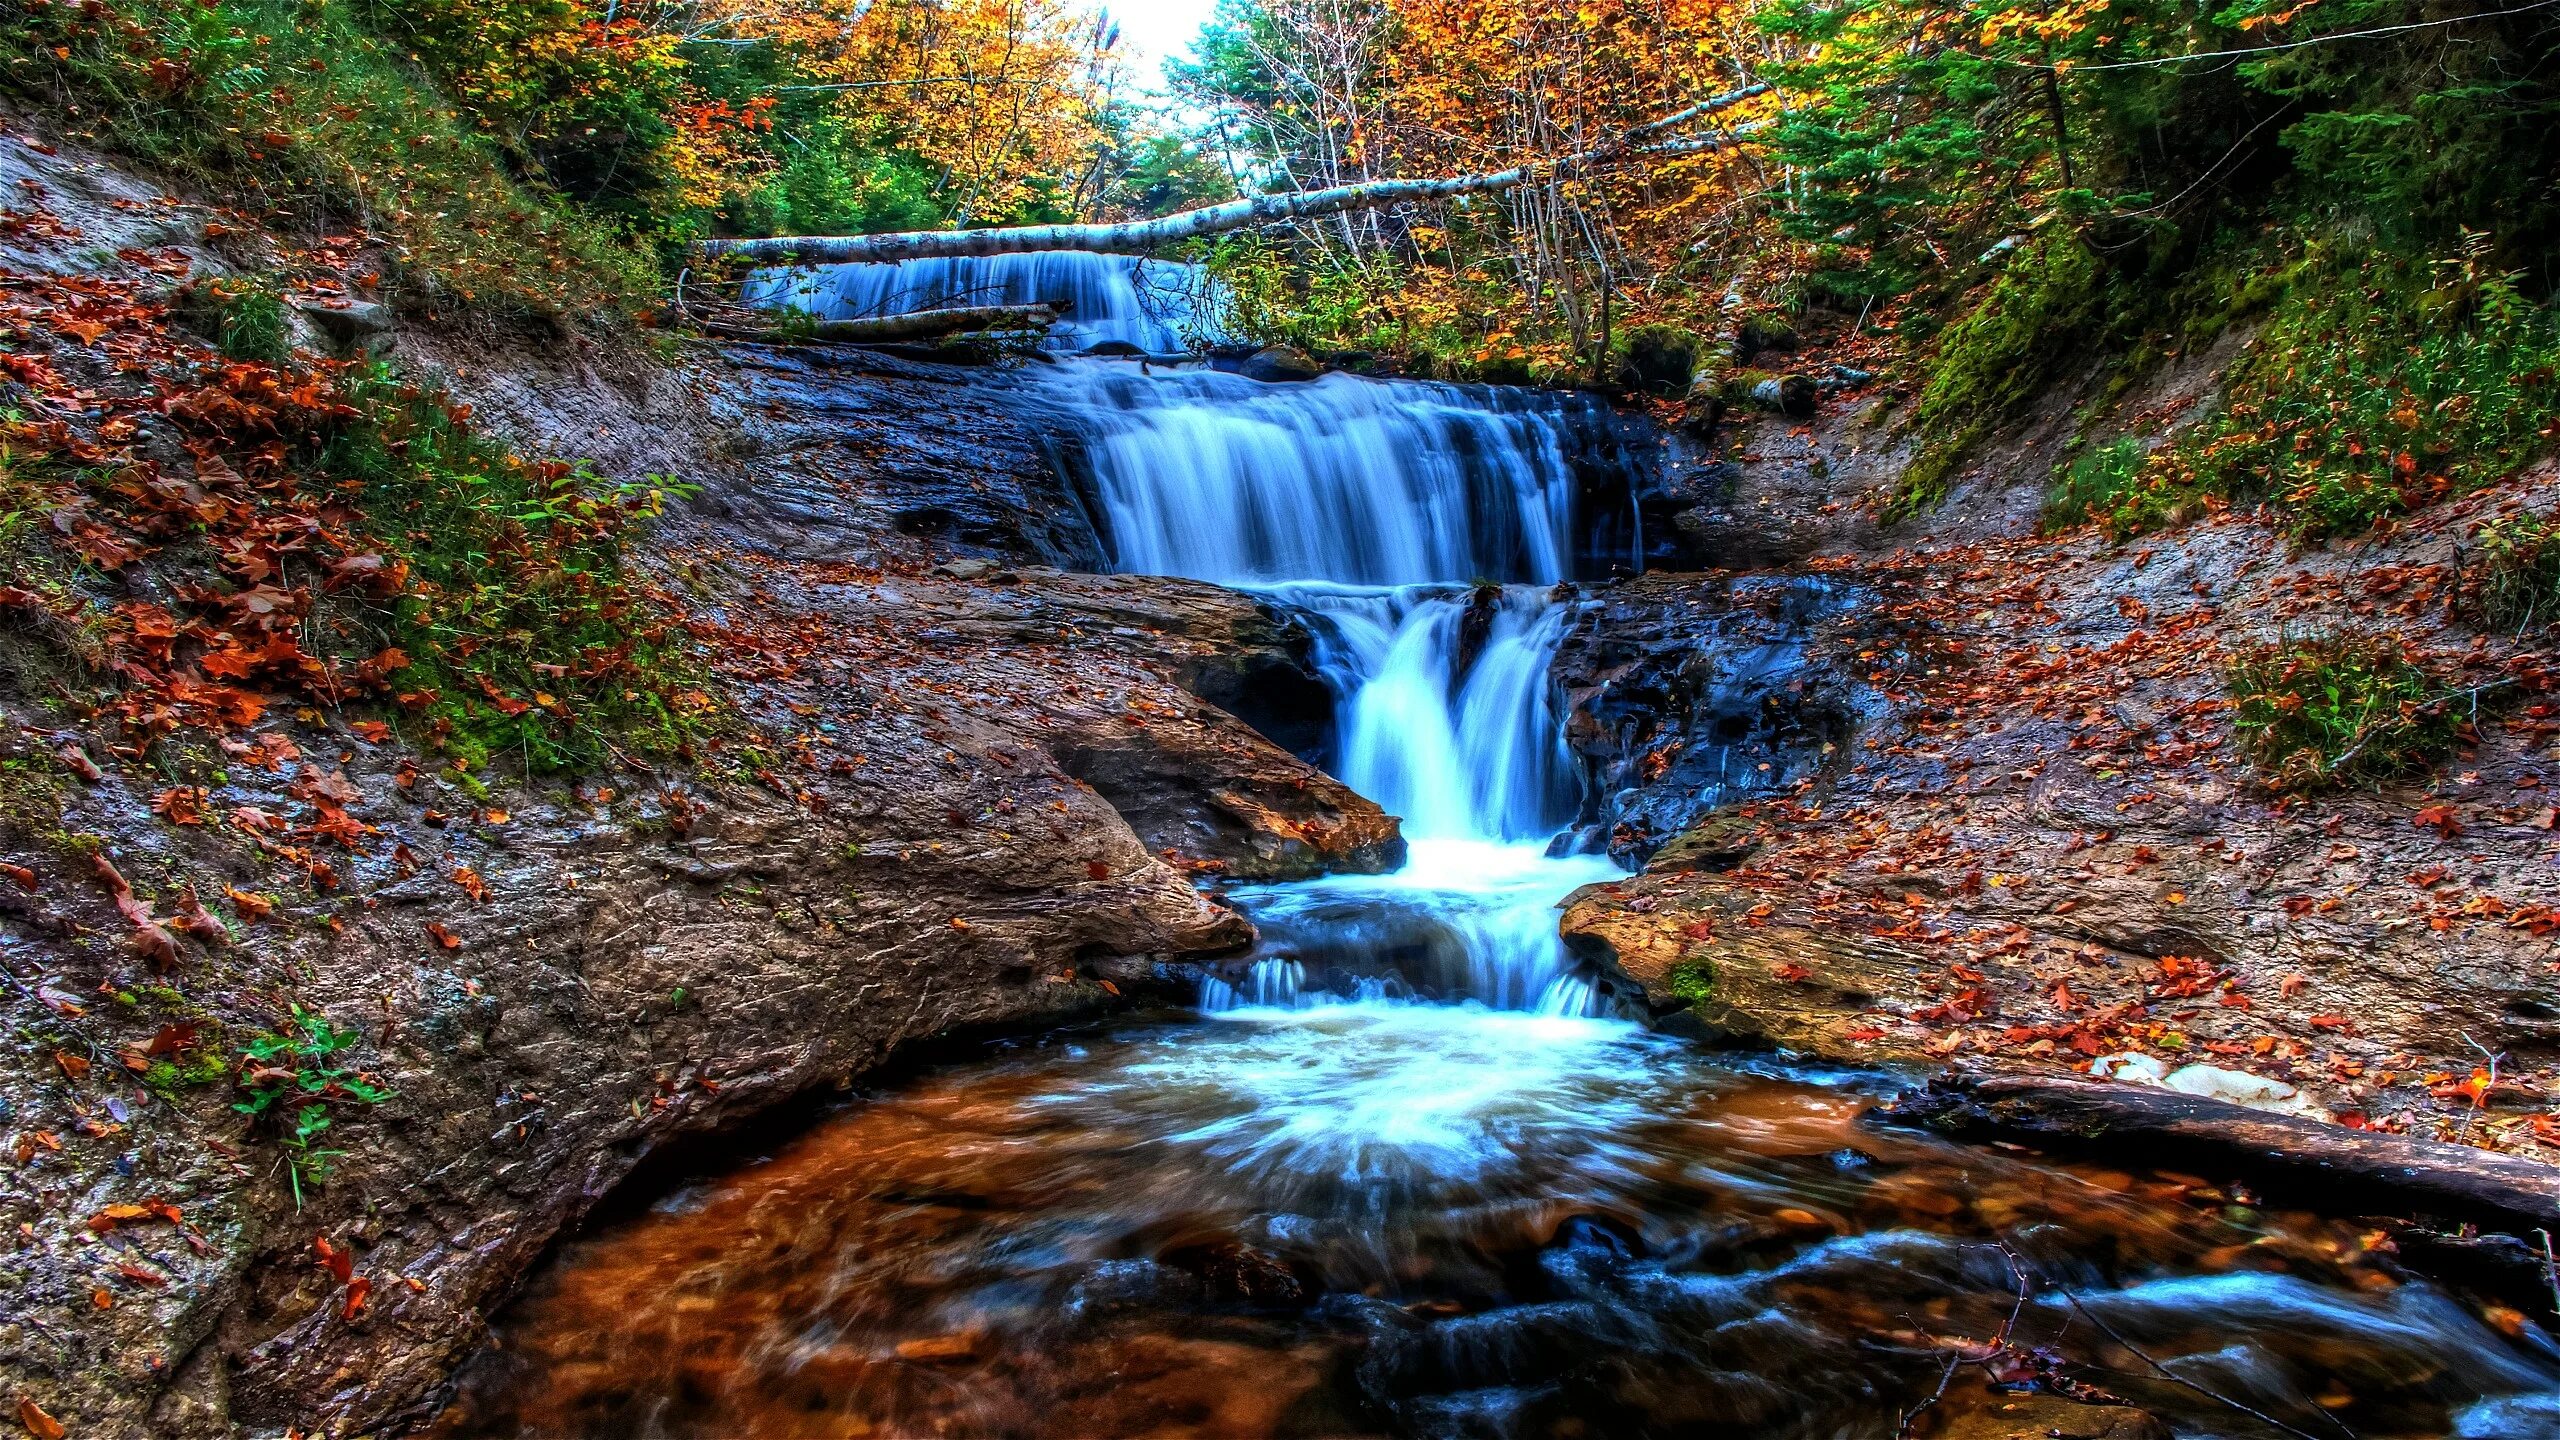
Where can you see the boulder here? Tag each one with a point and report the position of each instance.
(348, 322)
(1278, 364)
(1659, 360)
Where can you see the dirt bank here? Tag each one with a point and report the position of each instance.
(2041, 846)
(893, 835)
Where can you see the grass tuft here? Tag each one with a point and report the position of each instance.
(2321, 711)
(2519, 573)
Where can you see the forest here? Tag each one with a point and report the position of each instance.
(1524, 718)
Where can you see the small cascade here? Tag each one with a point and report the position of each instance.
(1208, 475)
(1447, 717)
(1116, 299)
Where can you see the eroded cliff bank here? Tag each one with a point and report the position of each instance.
(928, 801)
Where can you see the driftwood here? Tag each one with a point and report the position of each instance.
(2329, 1167)
(1142, 236)
(912, 325)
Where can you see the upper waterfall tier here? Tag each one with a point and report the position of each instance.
(1209, 475)
(1150, 304)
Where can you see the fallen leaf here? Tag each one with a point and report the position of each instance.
(38, 1423)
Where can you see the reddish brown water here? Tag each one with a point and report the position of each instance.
(1448, 1221)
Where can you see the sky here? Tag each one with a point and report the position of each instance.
(1153, 31)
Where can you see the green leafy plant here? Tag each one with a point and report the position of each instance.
(293, 1074)
(2329, 710)
(2519, 573)
(521, 631)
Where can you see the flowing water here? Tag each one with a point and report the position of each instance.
(1109, 299)
(1402, 1171)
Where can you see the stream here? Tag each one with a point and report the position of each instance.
(1405, 1169)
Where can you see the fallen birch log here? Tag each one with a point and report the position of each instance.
(2327, 1166)
(911, 325)
(1142, 236)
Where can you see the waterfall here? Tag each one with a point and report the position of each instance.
(1109, 298)
(1420, 530)
(1362, 482)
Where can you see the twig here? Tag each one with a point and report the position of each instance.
(1912, 1415)
(2550, 1269)
(2174, 1378)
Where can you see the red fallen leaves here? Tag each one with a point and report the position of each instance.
(339, 1261)
(151, 939)
(152, 1209)
(470, 881)
(198, 921)
(2445, 820)
(30, 1414)
(1790, 973)
(250, 905)
(442, 936)
(358, 1291)
(180, 805)
(25, 877)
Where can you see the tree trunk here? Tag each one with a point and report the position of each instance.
(2326, 1165)
(1141, 236)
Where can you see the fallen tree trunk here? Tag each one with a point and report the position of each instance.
(2326, 1166)
(1141, 236)
(912, 325)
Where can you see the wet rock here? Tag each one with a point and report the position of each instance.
(1256, 813)
(347, 322)
(1685, 694)
(1280, 364)
(838, 453)
(2050, 1417)
(1230, 1272)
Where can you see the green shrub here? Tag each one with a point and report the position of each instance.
(252, 325)
(2344, 709)
(2519, 573)
(299, 110)
(523, 633)
(298, 1067)
(2379, 386)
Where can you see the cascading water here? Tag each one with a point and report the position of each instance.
(1343, 1209)
(1420, 529)
(1109, 298)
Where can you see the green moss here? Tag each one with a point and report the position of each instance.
(2034, 322)
(2330, 710)
(523, 632)
(1692, 980)
(1658, 359)
(2095, 482)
